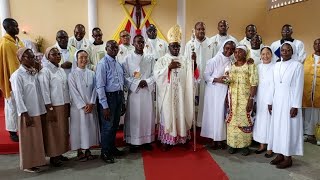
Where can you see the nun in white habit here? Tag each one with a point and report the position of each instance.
(84, 128)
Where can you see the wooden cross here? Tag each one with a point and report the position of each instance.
(138, 4)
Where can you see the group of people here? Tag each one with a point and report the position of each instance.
(235, 91)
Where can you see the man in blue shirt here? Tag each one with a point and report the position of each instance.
(110, 80)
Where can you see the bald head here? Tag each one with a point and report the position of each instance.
(11, 26)
(62, 39)
(79, 32)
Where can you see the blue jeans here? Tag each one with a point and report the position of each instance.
(110, 126)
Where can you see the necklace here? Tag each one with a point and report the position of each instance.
(281, 76)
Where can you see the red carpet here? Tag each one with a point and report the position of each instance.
(179, 163)
(6, 145)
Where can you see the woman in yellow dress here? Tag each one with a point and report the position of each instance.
(242, 90)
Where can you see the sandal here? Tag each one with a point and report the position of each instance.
(88, 155)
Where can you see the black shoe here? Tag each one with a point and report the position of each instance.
(63, 158)
(148, 147)
(260, 151)
(268, 155)
(245, 151)
(117, 152)
(14, 137)
(107, 158)
(134, 149)
(232, 150)
(55, 162)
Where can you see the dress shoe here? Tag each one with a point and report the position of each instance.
(232, 150)
(134, 149)
(277, 160)
(245, 151)
(14, 137)
(268, 155)
(63, 158)
(260, 151)
(148, 147)
(117, 152)
(107, 158)
(284, 164)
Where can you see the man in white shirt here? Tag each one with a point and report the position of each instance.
(155, 46)
(78, 41)
(256, 45)
(251, 30)
(97, 48)
(125, 47)
(286, 33)
(222, 36)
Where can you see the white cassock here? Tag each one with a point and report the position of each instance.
(155, 47)
(96, 53)
(218, 40)
(262, 123)
(82, 44)
(213, 121)
(299, 46)
(245, 41)
(84, 127)
(204, 51)
(255, 55)
(286, 134)
(123, 52)
(140, 118)
(175, 95)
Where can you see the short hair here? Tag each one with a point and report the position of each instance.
(287, 25)
(137, 36)
(79, 26)
(108, 44)
(251, 25)
(7, 22)
(198, 23)
(123, 31)
(96, 29)
(61, 31)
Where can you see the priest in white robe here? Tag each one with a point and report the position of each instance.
(213, 121)
(286, 128)
(174, 77)
(78, 41)
(97, 50)
(139, 127)
(254, 52)
(222, 36)
(84, 124)
(251, 30)
(202, 47)
(263, 117)
(31, 110)
(125, 47)
(154, 45)
(286, 33)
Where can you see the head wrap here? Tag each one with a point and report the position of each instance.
(46, 54)
(294, 51)
(174, 34)
(21, 51)
(243, 47)
(75, 62)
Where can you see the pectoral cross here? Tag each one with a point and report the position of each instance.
(176, 72)
(138, 5)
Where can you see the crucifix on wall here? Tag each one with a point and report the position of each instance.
(138, 5)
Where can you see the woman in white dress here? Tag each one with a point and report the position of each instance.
(286, 127)
(262, 123)
(84, 128)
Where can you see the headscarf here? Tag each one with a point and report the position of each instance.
(224, 43)
(75, 61)
(46, 54)
(21, 51)
(294, 50)
(30, 70)
(243, 47)
(273, 56)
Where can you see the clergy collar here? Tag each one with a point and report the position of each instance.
(284, 40)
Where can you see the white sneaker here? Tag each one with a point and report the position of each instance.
(32, 170)
(318, 143)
